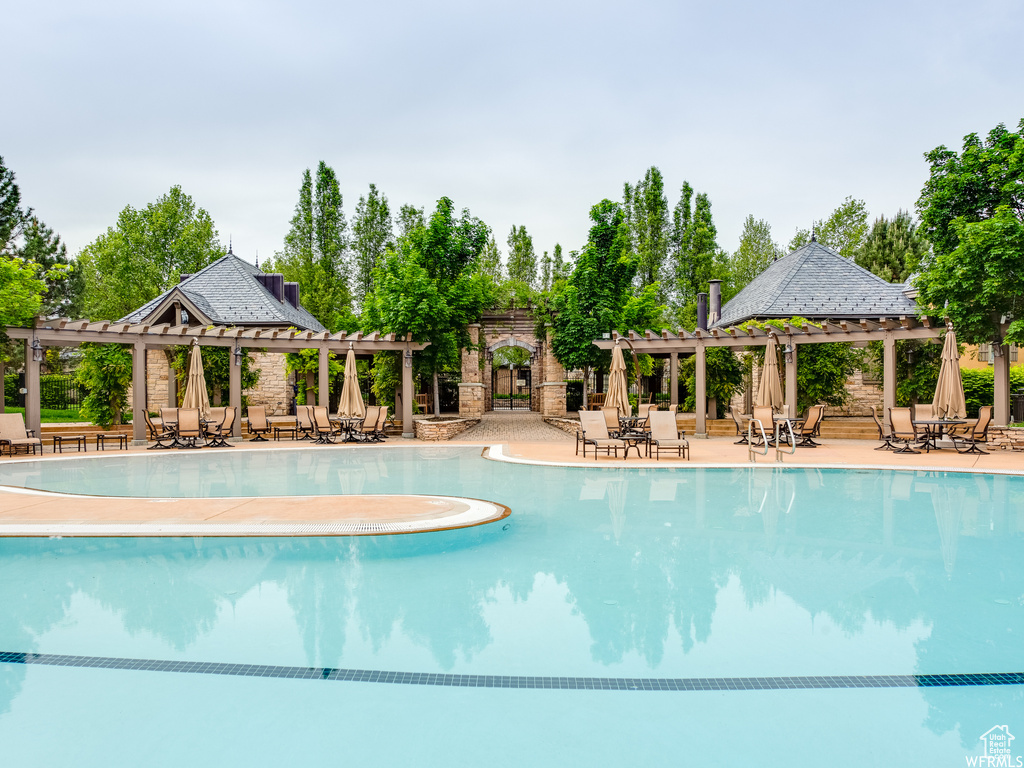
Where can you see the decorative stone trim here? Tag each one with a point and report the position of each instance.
(1006, 438)
(572, 426)
(436, 431)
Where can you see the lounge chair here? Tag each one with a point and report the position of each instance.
(304, 421)
(14, 435)
(974, 433)
(218, 434)
(611, 420)
(883, 432)
(326, 431)
(740, 431)
(594, 431)
(665, 435)
(190, 428)
(159, 434)
(810, 427)
(258, 424)
(364, 432)
(904, 431)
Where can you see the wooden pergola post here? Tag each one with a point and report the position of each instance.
(33, 415)
(139, 392)
(3, 381)
(324, 388)
(1000, 384)
(235, 390)
(407, 394)
(888, 375)
(791, 387)
(701, 394)
(673, 374)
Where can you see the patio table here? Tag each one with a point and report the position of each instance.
(934, 429)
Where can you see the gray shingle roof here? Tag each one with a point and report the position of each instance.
(228, 292)
(817, 283)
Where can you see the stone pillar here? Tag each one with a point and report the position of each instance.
(324, 393)
(701, 393)
(33, 420)
(471, 389)
(888, 376)
(552, 389)
(673, 378)
(408, 430)
(791, 380)
(235, 393)
(139, 393)
(1001, 384)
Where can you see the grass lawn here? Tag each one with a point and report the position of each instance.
(51, 415)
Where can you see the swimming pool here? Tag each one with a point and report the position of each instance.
(568, 634)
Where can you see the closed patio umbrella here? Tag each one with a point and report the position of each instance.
(948, 402)
(618, 394)
(196, 395)
(351, 404)
(769, 389)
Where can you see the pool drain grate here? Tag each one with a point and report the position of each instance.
(517, 681)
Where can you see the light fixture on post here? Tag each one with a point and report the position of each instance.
(37, 351)
(788, 353)
(408, 358)
(237, 355)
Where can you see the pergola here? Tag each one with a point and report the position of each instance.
(71, 333)
(790, 338)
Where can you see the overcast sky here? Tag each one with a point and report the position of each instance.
(526, 113)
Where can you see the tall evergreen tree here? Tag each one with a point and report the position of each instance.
(65, 281)
(893, 248)
(649, 222)
(371, 231)
(695, 240)
(545, 272)
(757, 250)
(490, 260)
(10, 210)
(315, 253)
(522, 259)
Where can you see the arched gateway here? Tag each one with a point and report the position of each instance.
(509, 368)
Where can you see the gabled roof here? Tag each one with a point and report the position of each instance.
(817, 283)
(227, 293)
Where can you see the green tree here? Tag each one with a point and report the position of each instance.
(10, 210)
(972, 212)
(217, 362)
(599, 296)
(893, 248)
(490, 261)
(723, 374)
(371, 230)
(146, 253)
(647, 211)
(21, 291)
(844, 231)
(432, 288)
(65, 281)
(757, 250)
(316, 248)
(410, 219)
(105, 371)
(522, 259)
(545, 272)
(695, 249)
(559, 269)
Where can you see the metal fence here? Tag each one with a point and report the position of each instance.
(645, 389)
(56, 391)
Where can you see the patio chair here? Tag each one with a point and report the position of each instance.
(304, 421)
(258, 424)
(594, 431)
(379, 435)
(190, 428)
(924, 412)
(904, 431)
(666, 436)
(974, 433)
(810, 427)
(765, 415)
(364, 432)
(169, 418)
(217, 434)
(883, 432)
(14, 435)
(611, 420)
(740, 431)
(325, 430)
(158, 434)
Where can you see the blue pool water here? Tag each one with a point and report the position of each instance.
(599, 574)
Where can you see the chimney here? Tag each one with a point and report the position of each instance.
(716, 302)
(702, 311)
(273, 283)
(184, 276)
(291, 294)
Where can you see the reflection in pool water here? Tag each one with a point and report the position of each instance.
(601, 572)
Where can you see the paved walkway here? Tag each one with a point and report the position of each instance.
(513, 427)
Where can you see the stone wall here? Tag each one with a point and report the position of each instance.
(436, 431)
(1006, 438)
(158, 373)
(274, 390)
(572, 426)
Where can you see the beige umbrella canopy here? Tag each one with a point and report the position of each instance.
(769, 390)
(948, 402)
(196, 395)
(351, 404)
(618, 394)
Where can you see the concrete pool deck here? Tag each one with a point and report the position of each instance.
(31, 513)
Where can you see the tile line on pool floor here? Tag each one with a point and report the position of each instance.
(808, 682)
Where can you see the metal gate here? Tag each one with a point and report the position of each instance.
(510, 389)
